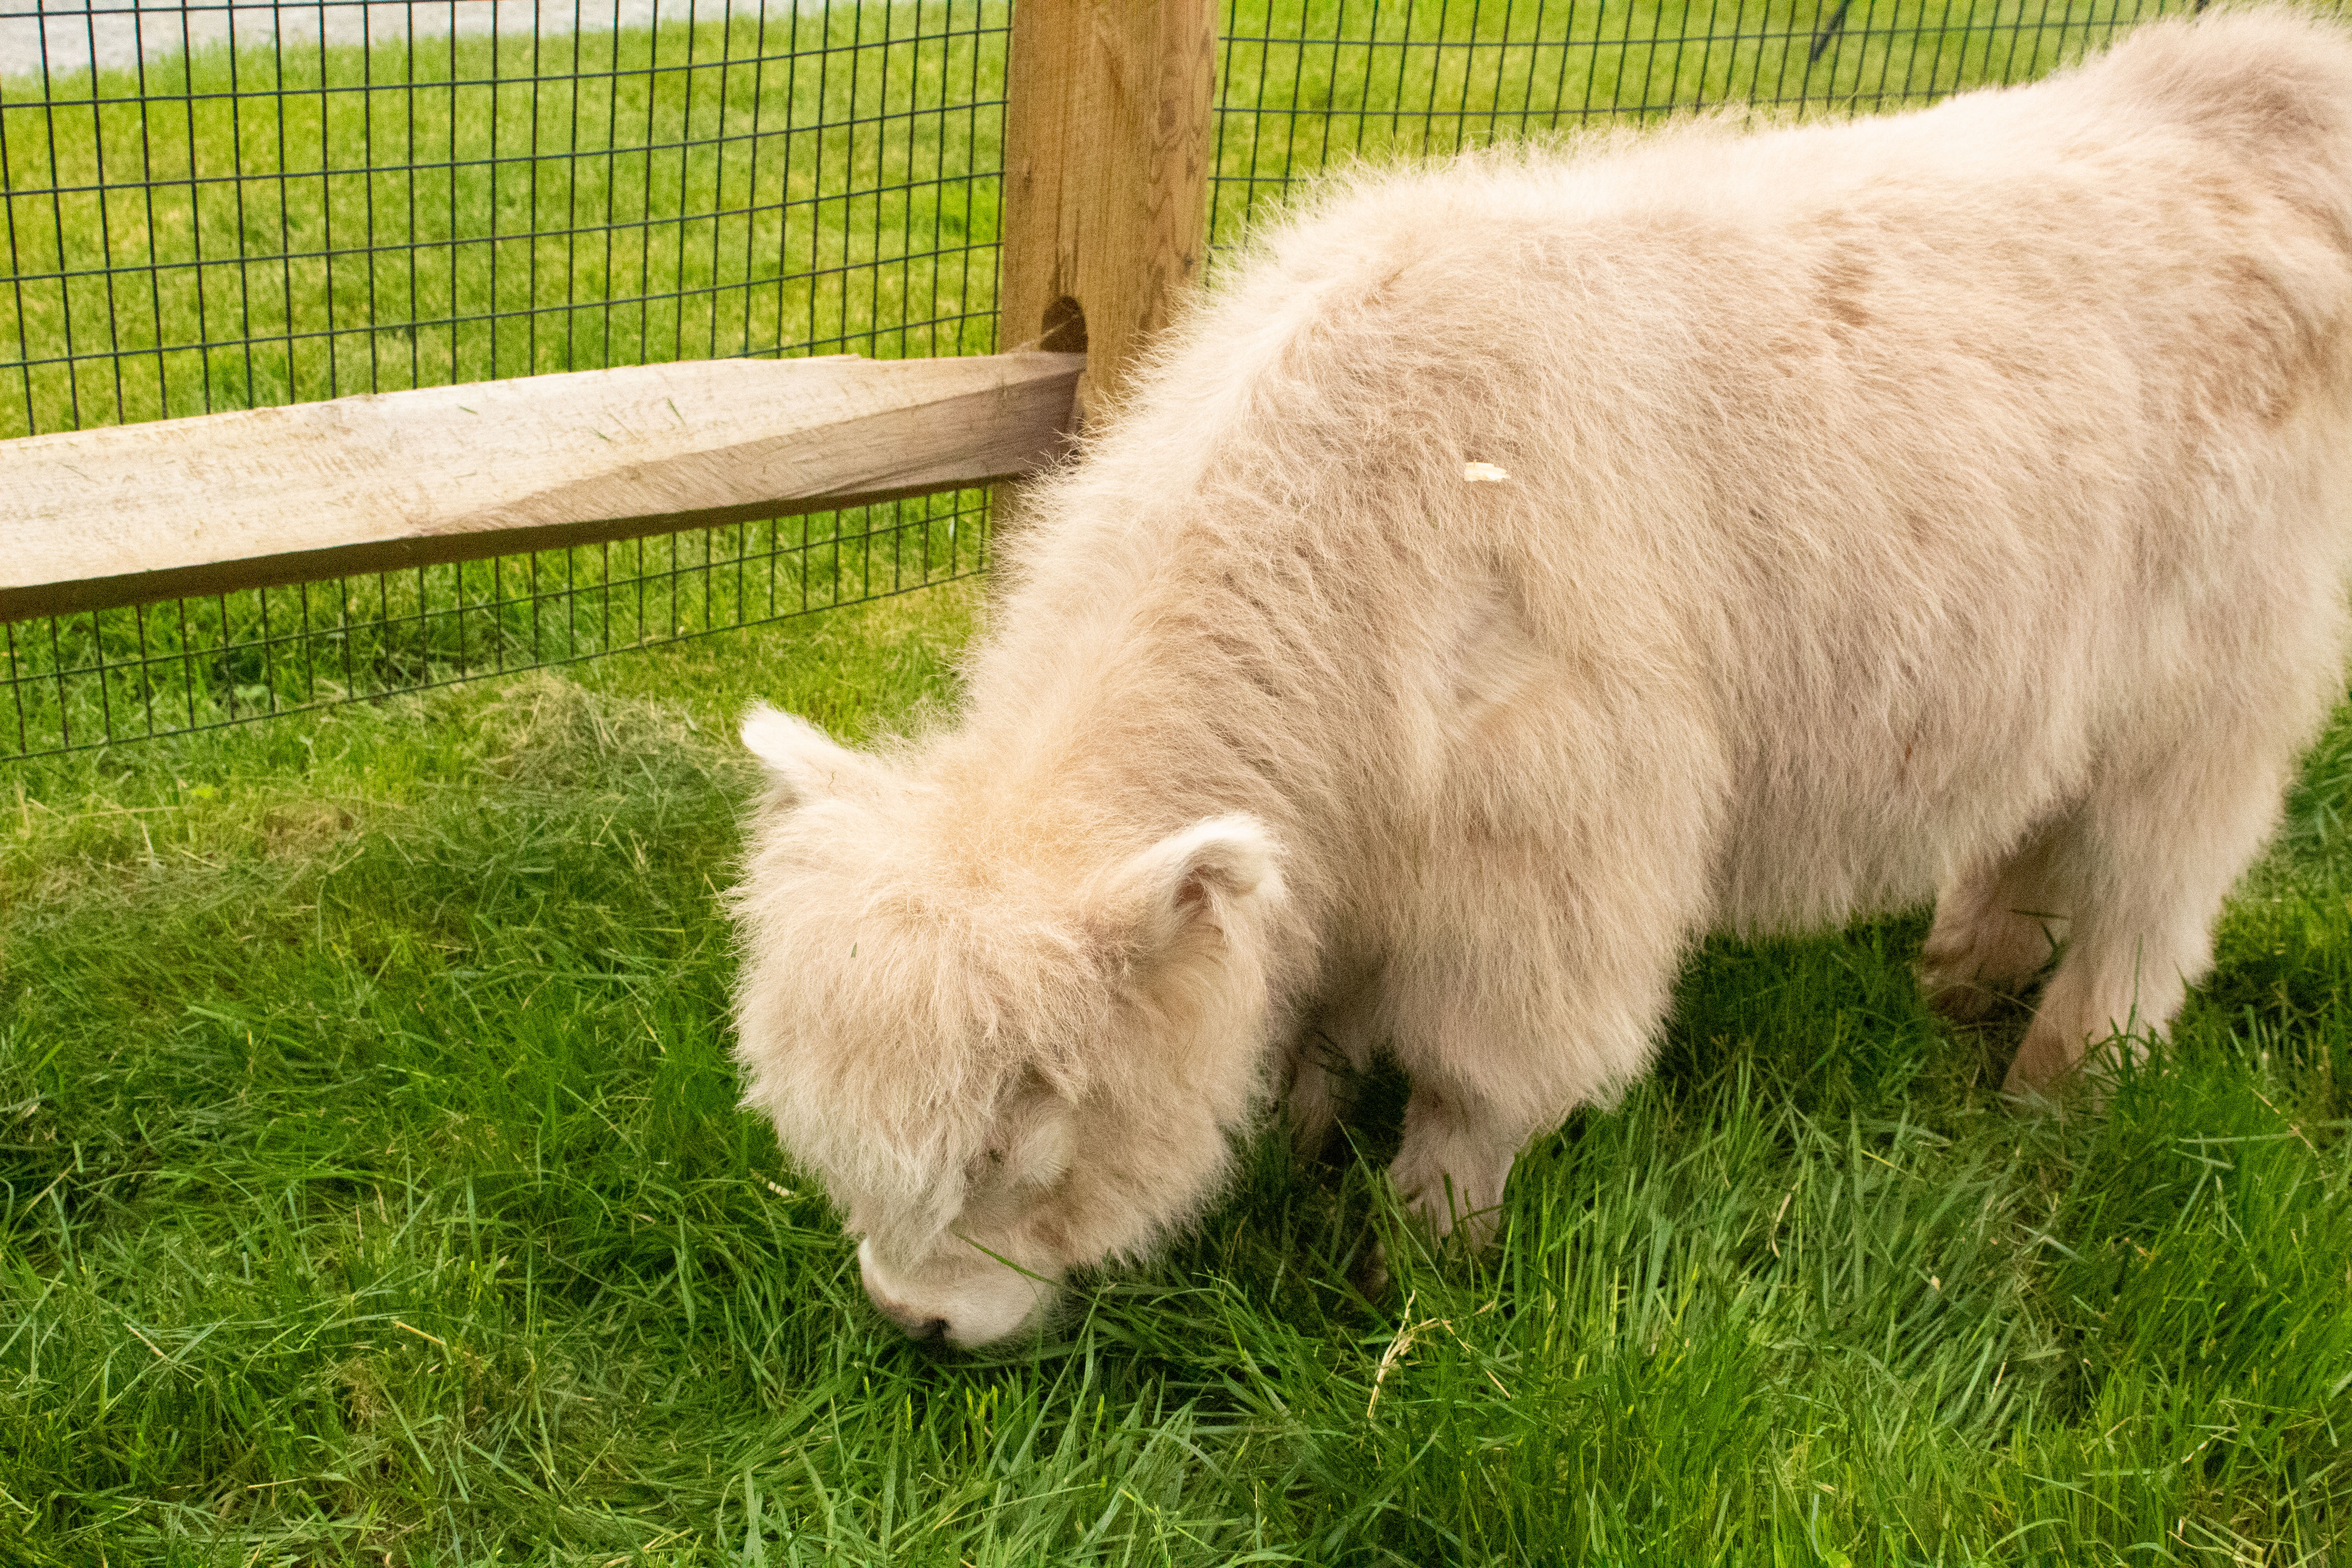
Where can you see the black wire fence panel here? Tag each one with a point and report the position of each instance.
(214, 204)
(340, 197)
(1307, 85)
(193, 663)
(221, 205)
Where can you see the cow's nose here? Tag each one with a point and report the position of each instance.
(919, 1324)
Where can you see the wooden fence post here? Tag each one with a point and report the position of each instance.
(1108, 137)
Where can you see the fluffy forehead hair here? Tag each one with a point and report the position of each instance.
(896, 998)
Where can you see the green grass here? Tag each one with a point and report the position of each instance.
(372, 1191)
(375, 1191)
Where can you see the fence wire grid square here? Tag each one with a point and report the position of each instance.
(213, 205)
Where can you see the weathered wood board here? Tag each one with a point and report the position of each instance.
(115, 516)
(1109, 117)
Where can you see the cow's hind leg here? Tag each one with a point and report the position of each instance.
(2149, 856)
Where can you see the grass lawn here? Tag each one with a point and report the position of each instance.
(372, 1191)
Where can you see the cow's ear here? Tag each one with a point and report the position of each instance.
(804, 762)
(1200, 879)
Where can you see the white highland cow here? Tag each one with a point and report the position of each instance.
(1528, 564)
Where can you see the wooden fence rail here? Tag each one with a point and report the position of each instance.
(134, 512)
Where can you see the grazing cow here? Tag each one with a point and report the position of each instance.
(1526, 564)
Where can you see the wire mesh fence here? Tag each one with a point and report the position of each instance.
(278, 216)
(213, 205)
(192, 663)
(222, 206)
(1307, 84)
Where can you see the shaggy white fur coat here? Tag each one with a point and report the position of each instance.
(1528, 564)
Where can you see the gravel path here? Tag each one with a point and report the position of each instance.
(70, 35)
